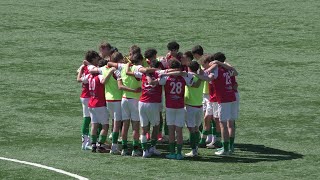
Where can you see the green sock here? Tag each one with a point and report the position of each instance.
(102, 139)
(166, 129)
(213, 128)
(85, 125)
(196, 138)
(193, 140)
(203, 139)
(218, 136)
(172, 148)
(231, 141)
(161, 124)
(115, 136)
(94, 139)
(153, 142)
(135, 144)
(99, 129)
(201, 127)
(226, 146)
(179, 148)
(124, 144)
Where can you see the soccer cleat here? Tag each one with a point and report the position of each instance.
(231, 151)
(124, 152)
(101, 149)
(94, 148)
(135, 153)
(171, 156)
(211, 145)
(193, 153)
(159, 137)
(222, 152)
(114, 149)
(154, 151)
(179, 157)
(209, 139)
(85, 141)
(146, 154)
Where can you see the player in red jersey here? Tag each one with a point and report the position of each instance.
(174, 87)
(173, 48)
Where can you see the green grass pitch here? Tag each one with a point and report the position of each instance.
(273, 44)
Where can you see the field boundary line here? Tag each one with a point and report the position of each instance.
(45, 167)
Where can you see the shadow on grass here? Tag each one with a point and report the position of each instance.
(244, 153)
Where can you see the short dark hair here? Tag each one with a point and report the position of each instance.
(194, 66)
(207, 58)
(173, 45)
(174, 64)
(102, 62)
(188, 54)
(149, 53)
(113, 50)
(197, 50)
(104, 45)
(155, 64)
(134, 49)
(219, 56)
(116, 57)
(90, 55)
(136, 58)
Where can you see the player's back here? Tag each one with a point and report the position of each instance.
(223, 86)
(174, 91)
(97, 95)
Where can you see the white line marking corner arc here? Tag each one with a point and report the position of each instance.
(45, 167)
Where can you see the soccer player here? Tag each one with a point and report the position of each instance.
(226, 99)
(186, 59)
(173, 52)
(113, 99)
(105, 50)
(193, 101)
(175, 114)
(84, 98)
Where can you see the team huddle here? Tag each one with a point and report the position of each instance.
(190, 89)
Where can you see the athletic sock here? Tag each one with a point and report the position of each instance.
(99, 129)
(94, 139)
(213, 128)
(160, 126)
(172, 148)
(231, 142)
(196, 138)
(102, 139)
(201, 127)
(135, 144)
(226, 146)
(144, 141)
(124, 144)
(115, 136)
(85, 125)
(166, 129)
(193, 140)
(204, 137)
(179, 148)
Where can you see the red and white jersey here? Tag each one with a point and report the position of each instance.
(234, 82)
(174, 87)
(96, 89)
(223, 86)
(150, 93)
(85, 86)
(212, 93)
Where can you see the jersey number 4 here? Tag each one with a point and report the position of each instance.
(176, 88)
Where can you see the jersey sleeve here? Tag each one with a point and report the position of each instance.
(85, 78)
(215, 72)
(117, 74)
(120, 66)
(137, 74)
(163, 80)
(90, 67)
(188, 79)
(100, 78)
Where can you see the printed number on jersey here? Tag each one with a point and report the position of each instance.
(92, 86)
(228, 79)
(176, 87)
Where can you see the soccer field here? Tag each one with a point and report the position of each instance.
(274, 45)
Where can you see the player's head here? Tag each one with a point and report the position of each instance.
(137, 59)
(193, 66)
(116, 57)
(134, 49)
(105, 49)
(219, 56)
(102, 62)
(206, 59)
(92, 57)
(173, 47)
(155, 64)
(174, 64)
(113, 50)
(150, 54)
(186, 58)
(197, 51)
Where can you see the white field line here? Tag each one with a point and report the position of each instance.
(45, 167)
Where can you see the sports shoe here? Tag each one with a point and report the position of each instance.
(218, 144)
(159, 137)
(146, 154)
(209, 139)
(85, 140)
(154, 151)
(211, 145)
(193, 153)
(171, 156)
(101, 149)
(222, 152)
(124, 152)
(135, 153)
(110, 136)
(94, 148)
(231, 150)
(200, 145)
(114, 149)
(179, 157)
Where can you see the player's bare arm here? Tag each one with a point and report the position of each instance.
(79, 79)
(125, 88)
(106, 79)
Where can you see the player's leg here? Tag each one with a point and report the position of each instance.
(179, 123)
(231, 124)
(125, 125)
(190, 122)
(215, 127)
(133, 106)
(207, 125)
(115, 111)
(225, 115)
(154, 122)
(85, 124)
(94, 127)
(104, 121)
(170, 119)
